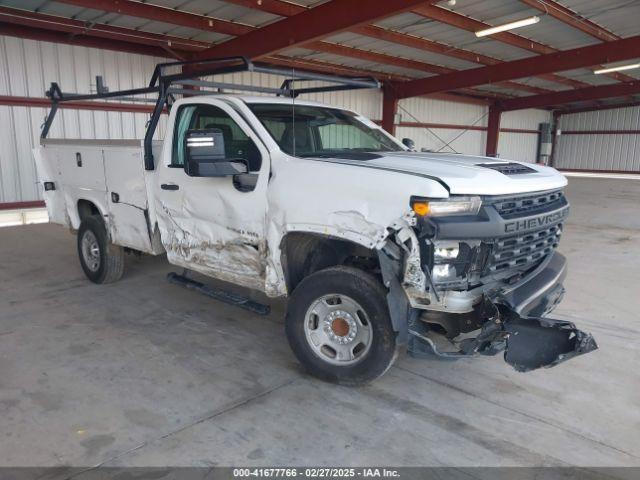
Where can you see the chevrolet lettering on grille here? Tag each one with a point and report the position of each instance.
(535, 222)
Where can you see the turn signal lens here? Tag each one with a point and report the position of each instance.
(421, 208)
(454, 205)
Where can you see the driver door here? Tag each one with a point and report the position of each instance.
(214, 225)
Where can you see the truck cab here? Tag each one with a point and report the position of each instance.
(376, 247)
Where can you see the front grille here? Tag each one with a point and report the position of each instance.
(523, 205)
(522, 251)
(508, 168)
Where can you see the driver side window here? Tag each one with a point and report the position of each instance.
(237, 144)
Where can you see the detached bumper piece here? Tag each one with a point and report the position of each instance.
(528, 343)
(543, 342)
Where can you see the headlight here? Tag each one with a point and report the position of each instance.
(450, 206)
(446, 252)
(451, 261)
(443, 273)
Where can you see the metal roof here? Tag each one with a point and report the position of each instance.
(617, 16)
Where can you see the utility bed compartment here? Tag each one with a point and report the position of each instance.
(107, 173)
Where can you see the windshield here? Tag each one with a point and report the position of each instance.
(309, 131)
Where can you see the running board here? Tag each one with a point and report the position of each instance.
(220, 295)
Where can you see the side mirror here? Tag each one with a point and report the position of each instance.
(410, 144)
(205, 155)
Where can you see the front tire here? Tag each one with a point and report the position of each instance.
(339, 328)
(102, 261)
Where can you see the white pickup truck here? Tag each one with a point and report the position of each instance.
(377, 247)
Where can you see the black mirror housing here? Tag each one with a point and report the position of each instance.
(205, 155)
(410, 144)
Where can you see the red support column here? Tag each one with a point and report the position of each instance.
(493, 131)
(389, 109)
(190, 69)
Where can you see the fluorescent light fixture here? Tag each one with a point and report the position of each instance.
(508, 26)
(617, 69)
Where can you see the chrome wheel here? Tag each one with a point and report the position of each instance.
(90, 251)
(338, 329)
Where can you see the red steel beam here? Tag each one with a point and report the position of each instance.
(37, 26)
(328, 18)
(385, 59)
(382, 58)
(471, 25)
(22, 205)
(565, 15)
(46, 27)
(77, 27)
(174, 45)
(16, 101)
(449, 51)
(38, 33)
(457, 126)
(275, 7)
(600, 132)
(569, 96)
(331, 68)
(285, 9)
(389, 109)
(69, 32)
(571, 18)
(493, 131)
(163, 14)
(552, 62)
(594, 108)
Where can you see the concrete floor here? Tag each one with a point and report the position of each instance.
(144, 373)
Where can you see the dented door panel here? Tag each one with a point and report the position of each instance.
(208, 224)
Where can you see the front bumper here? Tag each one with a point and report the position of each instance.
(514, 323)
(538, 293)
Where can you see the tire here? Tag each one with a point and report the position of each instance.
(345, 310)
(102, 261)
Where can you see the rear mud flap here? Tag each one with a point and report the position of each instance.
(528, 343)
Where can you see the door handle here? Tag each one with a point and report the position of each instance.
(169, 186)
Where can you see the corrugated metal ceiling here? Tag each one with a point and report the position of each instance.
(619, 16)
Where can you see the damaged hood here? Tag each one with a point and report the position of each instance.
(464, 174)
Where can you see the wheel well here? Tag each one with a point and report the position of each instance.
(305, 253)
(86, 209)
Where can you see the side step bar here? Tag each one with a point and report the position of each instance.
(221, 295)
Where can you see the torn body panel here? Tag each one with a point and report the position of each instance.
(528, 343)
(501, 318)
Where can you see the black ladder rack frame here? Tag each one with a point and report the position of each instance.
(163, 83)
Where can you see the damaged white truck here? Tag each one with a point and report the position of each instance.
(377, 247)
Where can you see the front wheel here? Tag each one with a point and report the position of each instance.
(102, 261)
(338, 326)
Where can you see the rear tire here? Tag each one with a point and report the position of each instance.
(102, 261)
(339, 328)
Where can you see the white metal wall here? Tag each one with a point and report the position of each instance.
(521, 146)
(27, 68)
(513, 146)
(602, 151)
(427, 110)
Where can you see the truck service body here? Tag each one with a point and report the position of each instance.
(378, 247)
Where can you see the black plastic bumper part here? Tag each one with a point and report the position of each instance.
(516, 325)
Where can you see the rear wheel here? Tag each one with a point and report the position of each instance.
(102, 261)
(339, 328)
